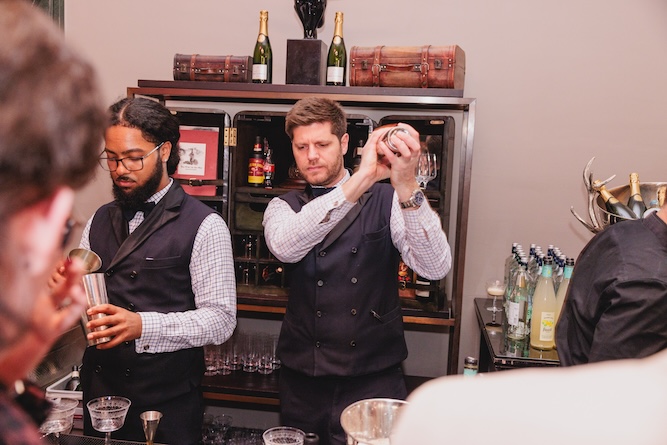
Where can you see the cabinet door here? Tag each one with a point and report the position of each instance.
(437, 136)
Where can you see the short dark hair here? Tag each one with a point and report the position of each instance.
(153, 119)
(312, 110)
(53, 117)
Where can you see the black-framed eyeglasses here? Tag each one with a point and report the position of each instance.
(131, 163)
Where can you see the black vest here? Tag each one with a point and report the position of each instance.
(343, 313)
(149, 271)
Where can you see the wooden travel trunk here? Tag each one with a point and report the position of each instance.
(408, 66)
(213, 68)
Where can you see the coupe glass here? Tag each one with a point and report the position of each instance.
(107, 414)
(60, 419)
(495, 288)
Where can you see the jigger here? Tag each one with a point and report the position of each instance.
(150, 421)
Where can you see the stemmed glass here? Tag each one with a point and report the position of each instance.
(427, 168)
(60, 419)
(107, 414)
(494, 288)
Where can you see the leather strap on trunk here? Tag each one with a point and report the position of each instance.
(424, 66)
(193, 58)
(376, 66)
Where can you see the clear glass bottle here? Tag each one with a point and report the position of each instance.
(337, 58)
(518, 306)
(562, 290)
(262, 56)
(544, 310)
(470, 366)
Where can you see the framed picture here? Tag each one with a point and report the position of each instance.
(199, 158)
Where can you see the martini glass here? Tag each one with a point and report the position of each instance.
(107, 414)
(494, 288)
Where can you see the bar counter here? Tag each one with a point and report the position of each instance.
(497, 353)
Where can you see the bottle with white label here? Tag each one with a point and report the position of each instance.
(337, 58)
(517, 306)
(543, 322)
(262, 56)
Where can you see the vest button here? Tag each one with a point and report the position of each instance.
(353, 343)
(109, 273)
(134, 274)
(131, 307)
(353, 312)
(323, 253)
(354, 250)
(319, 314)
(354, 280)
(128, 372)
(98, 369)
(317, 344)
(320, 283)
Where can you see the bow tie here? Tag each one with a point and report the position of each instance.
(130, 212)
(319, 191)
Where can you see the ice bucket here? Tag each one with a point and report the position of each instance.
(370, 421)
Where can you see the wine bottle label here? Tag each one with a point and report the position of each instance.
(335, 74)
(547, 322)
(260, 71)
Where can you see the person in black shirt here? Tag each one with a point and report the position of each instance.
(616, 306)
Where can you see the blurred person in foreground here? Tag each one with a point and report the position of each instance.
(169, 272)
(613, 403)
(342, 336)
(616, 304)
(51, 126)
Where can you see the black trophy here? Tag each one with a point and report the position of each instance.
(307, 58)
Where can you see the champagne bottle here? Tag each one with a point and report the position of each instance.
(544, 310)
(562, 289)
(656, 203)
(337, 59)
(636, 202)
(615, 207)
(518, 305)
(74, 383)
(262, 57)
(256, 164)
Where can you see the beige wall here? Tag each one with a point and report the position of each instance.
(556, 84)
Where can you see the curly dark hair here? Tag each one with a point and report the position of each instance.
(155, 122)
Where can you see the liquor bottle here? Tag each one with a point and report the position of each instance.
(256, 164)
(269, 166)
(562, 290)
(544, 310)
(74, 383)
(357, 156)
(615, 207)
(518, 305)
(337, 59)
(635, 201)
(262, 56)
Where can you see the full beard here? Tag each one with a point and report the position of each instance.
(139, 195)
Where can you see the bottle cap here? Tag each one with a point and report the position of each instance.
(470, 361)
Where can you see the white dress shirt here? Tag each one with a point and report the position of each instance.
(417, 234)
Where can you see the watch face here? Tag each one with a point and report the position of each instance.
(418, 197)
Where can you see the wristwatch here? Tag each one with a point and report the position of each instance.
(416, 200)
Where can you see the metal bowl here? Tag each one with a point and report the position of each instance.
(649, 191)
